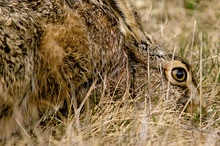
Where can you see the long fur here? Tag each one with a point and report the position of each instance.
(51, 51)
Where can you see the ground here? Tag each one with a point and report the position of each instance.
(190, 28)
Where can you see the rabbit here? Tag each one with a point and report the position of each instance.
(53, 51)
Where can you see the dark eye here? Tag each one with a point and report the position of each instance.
(179, 74)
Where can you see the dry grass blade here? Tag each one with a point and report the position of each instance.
(144, 116)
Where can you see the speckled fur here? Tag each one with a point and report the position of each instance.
(51, 52)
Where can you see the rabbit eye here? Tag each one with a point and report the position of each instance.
(179, 74)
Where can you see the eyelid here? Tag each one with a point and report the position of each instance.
(168, 66)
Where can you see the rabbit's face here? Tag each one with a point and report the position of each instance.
(167, 78)
(180, 85)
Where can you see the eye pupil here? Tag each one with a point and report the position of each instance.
(179, 74)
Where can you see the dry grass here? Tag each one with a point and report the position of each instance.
(192, 28)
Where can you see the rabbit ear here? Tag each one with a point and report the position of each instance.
(129, 20)
(137, 41)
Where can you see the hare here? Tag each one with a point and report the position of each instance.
(53, 51)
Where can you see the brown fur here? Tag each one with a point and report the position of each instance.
(51, 52)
